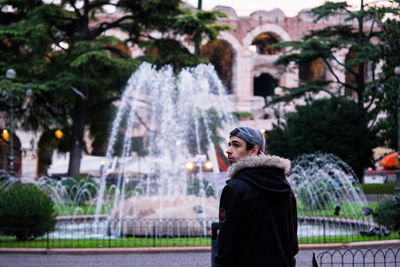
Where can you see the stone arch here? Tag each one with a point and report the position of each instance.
(48, 142)
(274, 29)
(236, 49)
(272, 70)
(312, 70)
(229, 38)
(350, 78)
(264, 85)
(220, 54)
(267, 75)
(263, 41)
(4, 150)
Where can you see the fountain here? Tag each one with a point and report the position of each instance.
(181, 116)
(327, 193)
(320, 180)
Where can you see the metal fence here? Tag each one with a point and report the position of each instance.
(388, 257)
(76, 233)
(100, 232)
(317, 229)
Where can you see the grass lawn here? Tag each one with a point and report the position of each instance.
(345, 239)
(137, 242)
(378, 188)
(129, 242)
(348, 210)
(68, 208)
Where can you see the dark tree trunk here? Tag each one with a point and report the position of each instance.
(76, 145)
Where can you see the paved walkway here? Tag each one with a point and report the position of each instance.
(147, 257)
(189, 259)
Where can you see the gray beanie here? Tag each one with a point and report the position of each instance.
(251, 135)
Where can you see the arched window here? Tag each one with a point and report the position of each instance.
(263, 41)
(312, 70)
(265, 85)
(4, 150)
(220, 55)
(351, 79)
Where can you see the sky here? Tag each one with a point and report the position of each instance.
(245, 7)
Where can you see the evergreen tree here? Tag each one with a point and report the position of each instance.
(388, 83)
(63, 51)
(356, 36)
(337, 126)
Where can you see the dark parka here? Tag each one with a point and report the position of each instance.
(258, 215)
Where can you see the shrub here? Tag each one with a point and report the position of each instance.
(388, 214)
(26, 212)
(336, 126)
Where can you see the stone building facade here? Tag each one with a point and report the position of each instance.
(253, 69)
(253, 76)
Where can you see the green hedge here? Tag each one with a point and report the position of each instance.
(388, 214)
(378, 188)
(26, 212)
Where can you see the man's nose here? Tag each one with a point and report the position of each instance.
(228, 151)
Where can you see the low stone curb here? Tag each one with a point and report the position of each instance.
(86, 251)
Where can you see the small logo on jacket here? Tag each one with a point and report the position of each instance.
(222, 214)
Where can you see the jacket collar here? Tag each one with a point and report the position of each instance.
(261, 160)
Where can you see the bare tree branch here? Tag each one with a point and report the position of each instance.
(75, 9)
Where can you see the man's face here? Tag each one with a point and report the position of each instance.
(237, 149)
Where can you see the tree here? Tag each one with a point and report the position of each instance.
(74, 68)
(356, 36)
(196, 26)
(199, 25)
(370, 35)
(388, 83)
(65, 60)
(337, 126)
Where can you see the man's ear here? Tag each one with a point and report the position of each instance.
(254, 150)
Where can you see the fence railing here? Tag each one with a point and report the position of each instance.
(318, 229)
(76, 232)
(388, 257)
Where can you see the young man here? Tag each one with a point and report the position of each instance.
(258, 214)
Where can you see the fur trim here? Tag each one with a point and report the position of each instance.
(261, 160)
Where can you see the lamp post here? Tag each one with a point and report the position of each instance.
(10, 74)
(397, 185)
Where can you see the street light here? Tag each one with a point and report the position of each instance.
(10, 74)
(189, 166)
(397, 186)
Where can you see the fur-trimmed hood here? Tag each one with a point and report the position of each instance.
(265, 172)
(261, 160)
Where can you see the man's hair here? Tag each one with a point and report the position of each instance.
(249, 146)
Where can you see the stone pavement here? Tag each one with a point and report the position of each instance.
(146, 257)
(188, 259)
